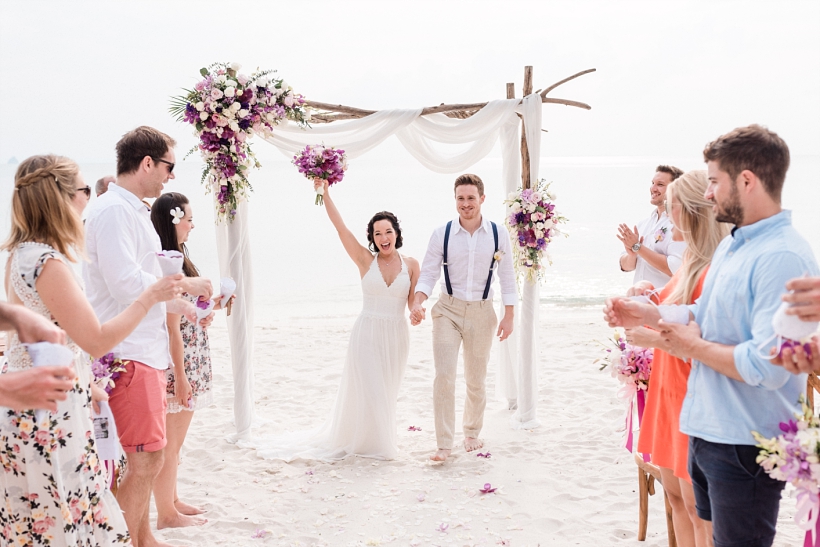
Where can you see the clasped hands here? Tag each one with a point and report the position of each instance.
(629, 237)
(417, 314)
(676, 339)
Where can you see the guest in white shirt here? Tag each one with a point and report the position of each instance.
(471, 250)
(122, 244)
(648, 247)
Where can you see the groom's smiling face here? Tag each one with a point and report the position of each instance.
(468, 201)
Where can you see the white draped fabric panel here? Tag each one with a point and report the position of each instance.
(497, 120)
(234, 248)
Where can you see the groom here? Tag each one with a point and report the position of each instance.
(471, 249)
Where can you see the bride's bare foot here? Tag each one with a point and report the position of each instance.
(179, 521)
(471, 444)
(185, 509)
(440, 455)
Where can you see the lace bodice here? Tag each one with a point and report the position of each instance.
(27, 262)
(381, 300)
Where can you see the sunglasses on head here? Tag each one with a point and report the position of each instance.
(168, 163)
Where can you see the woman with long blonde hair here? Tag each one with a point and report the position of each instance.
(694, 223)
(53, 482)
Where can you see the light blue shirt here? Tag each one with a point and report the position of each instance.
(740, 296)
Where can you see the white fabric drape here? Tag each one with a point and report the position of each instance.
(498, 119)
(234, 249)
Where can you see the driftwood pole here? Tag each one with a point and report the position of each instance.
(525, 151)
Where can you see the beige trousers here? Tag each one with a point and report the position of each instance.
(456, 321)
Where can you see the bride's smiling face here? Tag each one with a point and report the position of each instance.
(384, 237)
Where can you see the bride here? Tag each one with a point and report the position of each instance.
(363, 422)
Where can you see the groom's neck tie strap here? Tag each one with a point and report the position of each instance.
(492, 260)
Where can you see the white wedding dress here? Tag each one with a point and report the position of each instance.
(363, 422)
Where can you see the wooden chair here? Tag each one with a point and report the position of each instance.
(812, 385)
(648, 473)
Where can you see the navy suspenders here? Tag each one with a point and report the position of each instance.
(492, 261)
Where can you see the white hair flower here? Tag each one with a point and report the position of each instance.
(177, 213)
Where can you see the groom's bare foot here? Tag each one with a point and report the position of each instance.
(471, 444)
(186, 509)
(441, 455)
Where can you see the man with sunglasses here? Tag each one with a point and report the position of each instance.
(648, 247)
(122, 244)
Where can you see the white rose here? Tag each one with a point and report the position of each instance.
(262, 81)
(530, 207)
(548, 224)
(235, 67)
(235, 106)
(515, 207)
(271, 117)
(242, 113)
(539, 225)
(203, 116)
(234, 126)
(284, 85)
(536, 196)
(200, 106)
(221, 78)
(288, 100)
(231, 83)
(230, 91)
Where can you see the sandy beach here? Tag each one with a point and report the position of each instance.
(565, 483)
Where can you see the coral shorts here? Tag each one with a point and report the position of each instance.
(138, 404)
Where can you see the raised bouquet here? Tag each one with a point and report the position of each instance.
(632, 366)
(226, 108)
(794, 457)
(106, 370)
(321, 162)
(533, 223)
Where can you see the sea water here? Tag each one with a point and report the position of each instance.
(301, 268)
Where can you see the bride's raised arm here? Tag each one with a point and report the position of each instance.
(357, 252)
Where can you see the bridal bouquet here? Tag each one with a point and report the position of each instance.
(106, 370)
(320, 162)
(794, 456)
(533, 223)
(632, 366)
(226, 108)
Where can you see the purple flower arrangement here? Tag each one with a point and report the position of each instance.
(794, 457)
(321, 162)
(226, 108)
(106, 370)
(533, 223)
(631, 365)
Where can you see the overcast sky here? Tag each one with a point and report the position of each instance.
(671, 75)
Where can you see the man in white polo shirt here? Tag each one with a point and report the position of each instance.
(648, 247)
(122, 244)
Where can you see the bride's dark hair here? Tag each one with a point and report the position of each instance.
(384, 215)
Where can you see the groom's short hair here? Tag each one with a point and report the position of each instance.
(469, 178)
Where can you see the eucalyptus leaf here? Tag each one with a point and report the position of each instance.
(203, 71)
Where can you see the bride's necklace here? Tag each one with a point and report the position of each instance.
(386, 263)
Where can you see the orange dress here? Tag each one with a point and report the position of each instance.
(660, 434)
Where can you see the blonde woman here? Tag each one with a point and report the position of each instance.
(694, 223)
(53, 483)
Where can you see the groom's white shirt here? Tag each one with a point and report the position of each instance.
(468, 259)
(120, 240)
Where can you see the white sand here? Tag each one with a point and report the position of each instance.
(565, 483)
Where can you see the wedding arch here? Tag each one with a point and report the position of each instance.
(515, 121)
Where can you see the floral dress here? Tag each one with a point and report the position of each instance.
(197, 352)
(53, 484)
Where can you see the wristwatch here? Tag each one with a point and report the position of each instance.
(636, 247)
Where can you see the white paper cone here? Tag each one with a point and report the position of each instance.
(170, 262)
(44, 354)
(203, 313)
(227, 287)
(105, 432)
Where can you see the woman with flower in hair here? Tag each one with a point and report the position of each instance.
(52, 480)
(694, 223)
(189, 381)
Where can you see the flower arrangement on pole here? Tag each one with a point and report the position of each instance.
(533, 223)
(794, 457)
(226, 108)
(632, 366)
(320, 162)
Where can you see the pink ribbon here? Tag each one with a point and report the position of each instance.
(628, 392)
(641, 406)
(808, 509)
